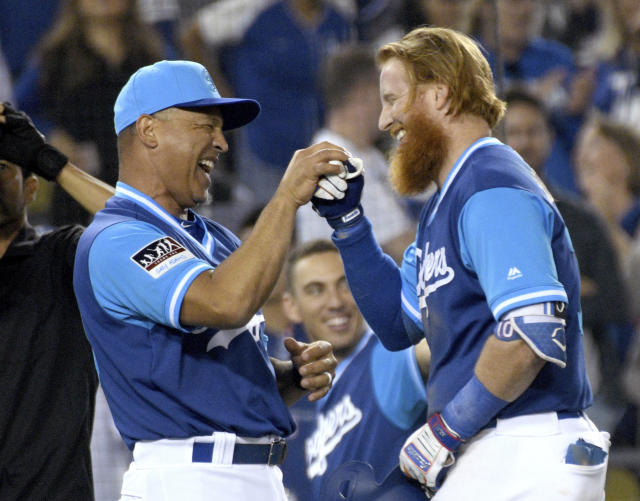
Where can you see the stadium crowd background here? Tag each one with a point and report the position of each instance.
(63, 62)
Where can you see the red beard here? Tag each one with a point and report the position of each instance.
(417, 161)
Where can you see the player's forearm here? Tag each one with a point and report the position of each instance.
(87, 190)
(230, 295)
(376, 285)
(503, 372)
(507, 369)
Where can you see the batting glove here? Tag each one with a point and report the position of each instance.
(22, 144)
(339, 199)
(429, 452)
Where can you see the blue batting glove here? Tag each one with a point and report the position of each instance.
(342, 213)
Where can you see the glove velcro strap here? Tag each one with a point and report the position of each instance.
(443, 433)
(351, 216)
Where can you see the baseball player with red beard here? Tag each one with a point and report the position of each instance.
(496, 282)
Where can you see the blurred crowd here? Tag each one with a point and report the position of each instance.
(569, 70)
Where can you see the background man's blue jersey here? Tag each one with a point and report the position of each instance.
(489, 241)
(133, 266)
(378, 398)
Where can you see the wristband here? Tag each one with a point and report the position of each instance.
(472, 408)
(49, 162)
(343, 223)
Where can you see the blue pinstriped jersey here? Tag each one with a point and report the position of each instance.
(489, 241)
(133, 266)
(377, 400)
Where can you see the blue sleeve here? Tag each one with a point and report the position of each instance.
(131, 291)
(398, 386)
(505, 238)
(375, 283)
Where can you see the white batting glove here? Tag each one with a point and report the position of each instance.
(333, 186)
(429, 452)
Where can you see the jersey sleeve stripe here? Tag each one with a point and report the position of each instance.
(408, 307)
(176, 298)
(530, 298)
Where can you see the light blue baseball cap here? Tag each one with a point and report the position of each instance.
(184, 84)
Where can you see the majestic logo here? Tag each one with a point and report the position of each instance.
(223, 338)
(434, 272)
(159, 256)
(513, 273)
(331, 426)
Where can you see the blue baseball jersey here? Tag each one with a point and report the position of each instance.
(162, 379)
(377, 400)
(489, 241)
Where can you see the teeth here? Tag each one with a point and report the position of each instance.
(400, 135)
(207, 165)
(337, 321)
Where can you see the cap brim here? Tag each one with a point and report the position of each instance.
(236, 112)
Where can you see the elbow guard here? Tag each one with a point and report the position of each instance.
(541, 326)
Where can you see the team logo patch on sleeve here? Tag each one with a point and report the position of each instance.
(159, 256)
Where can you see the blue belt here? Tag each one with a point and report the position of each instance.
(561, 415)
(270, 454)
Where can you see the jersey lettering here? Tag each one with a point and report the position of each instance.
(434, 269)
(331, 427)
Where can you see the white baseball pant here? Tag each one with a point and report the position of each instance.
(163, 470)
(523, 458)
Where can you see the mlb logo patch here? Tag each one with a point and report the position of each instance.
(159, 256)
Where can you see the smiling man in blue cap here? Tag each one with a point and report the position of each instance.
(171, 301)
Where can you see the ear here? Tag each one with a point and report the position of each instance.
(146, 130)
(290, 308)
(441, 96)
(29, 188)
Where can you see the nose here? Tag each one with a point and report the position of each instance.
(219, 141)
(334, 299)
(384, 120)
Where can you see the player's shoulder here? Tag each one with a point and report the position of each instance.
(495, 151)
(491, 166)
(129, 229)
(124, 238)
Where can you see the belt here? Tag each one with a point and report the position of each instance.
(269, 454)
(569, 414)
